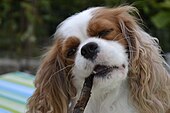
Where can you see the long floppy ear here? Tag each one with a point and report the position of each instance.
(148, 78)
(54, 87)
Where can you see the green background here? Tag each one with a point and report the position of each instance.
(27, 26)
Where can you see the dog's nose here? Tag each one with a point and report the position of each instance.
(90, 50)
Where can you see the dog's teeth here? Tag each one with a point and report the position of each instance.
(94, 72)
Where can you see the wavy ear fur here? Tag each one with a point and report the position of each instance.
(54, 88)
(148, 78)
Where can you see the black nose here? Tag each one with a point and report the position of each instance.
(90, 50)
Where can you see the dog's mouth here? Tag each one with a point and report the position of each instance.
(103, 70)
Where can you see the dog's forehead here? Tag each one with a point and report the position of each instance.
(76, 25)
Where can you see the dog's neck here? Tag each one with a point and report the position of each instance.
(107, 100)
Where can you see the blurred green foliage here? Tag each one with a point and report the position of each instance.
(26, 25)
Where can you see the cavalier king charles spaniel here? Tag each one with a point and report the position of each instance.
(130, 74)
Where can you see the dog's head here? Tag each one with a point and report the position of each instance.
(109, 43)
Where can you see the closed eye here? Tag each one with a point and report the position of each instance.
(71, 52)
(70, 47)
(104, 32)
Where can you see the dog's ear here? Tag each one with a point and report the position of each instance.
(148, 77)
(53, 84)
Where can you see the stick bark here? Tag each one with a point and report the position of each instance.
(85, 95)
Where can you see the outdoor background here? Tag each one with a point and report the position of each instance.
(27, 26)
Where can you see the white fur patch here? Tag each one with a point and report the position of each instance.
(76, 25)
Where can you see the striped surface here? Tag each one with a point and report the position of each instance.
(15, 89)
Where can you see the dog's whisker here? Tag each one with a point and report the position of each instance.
(117, 36)
(56, 73)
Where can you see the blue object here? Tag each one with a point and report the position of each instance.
(15, 89)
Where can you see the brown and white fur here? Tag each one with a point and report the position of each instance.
(100, 36)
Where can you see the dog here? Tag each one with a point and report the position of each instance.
(130, 74)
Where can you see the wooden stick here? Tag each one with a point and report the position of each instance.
(85, 95)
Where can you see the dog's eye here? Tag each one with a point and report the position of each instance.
(104, 32)
(71, 51)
